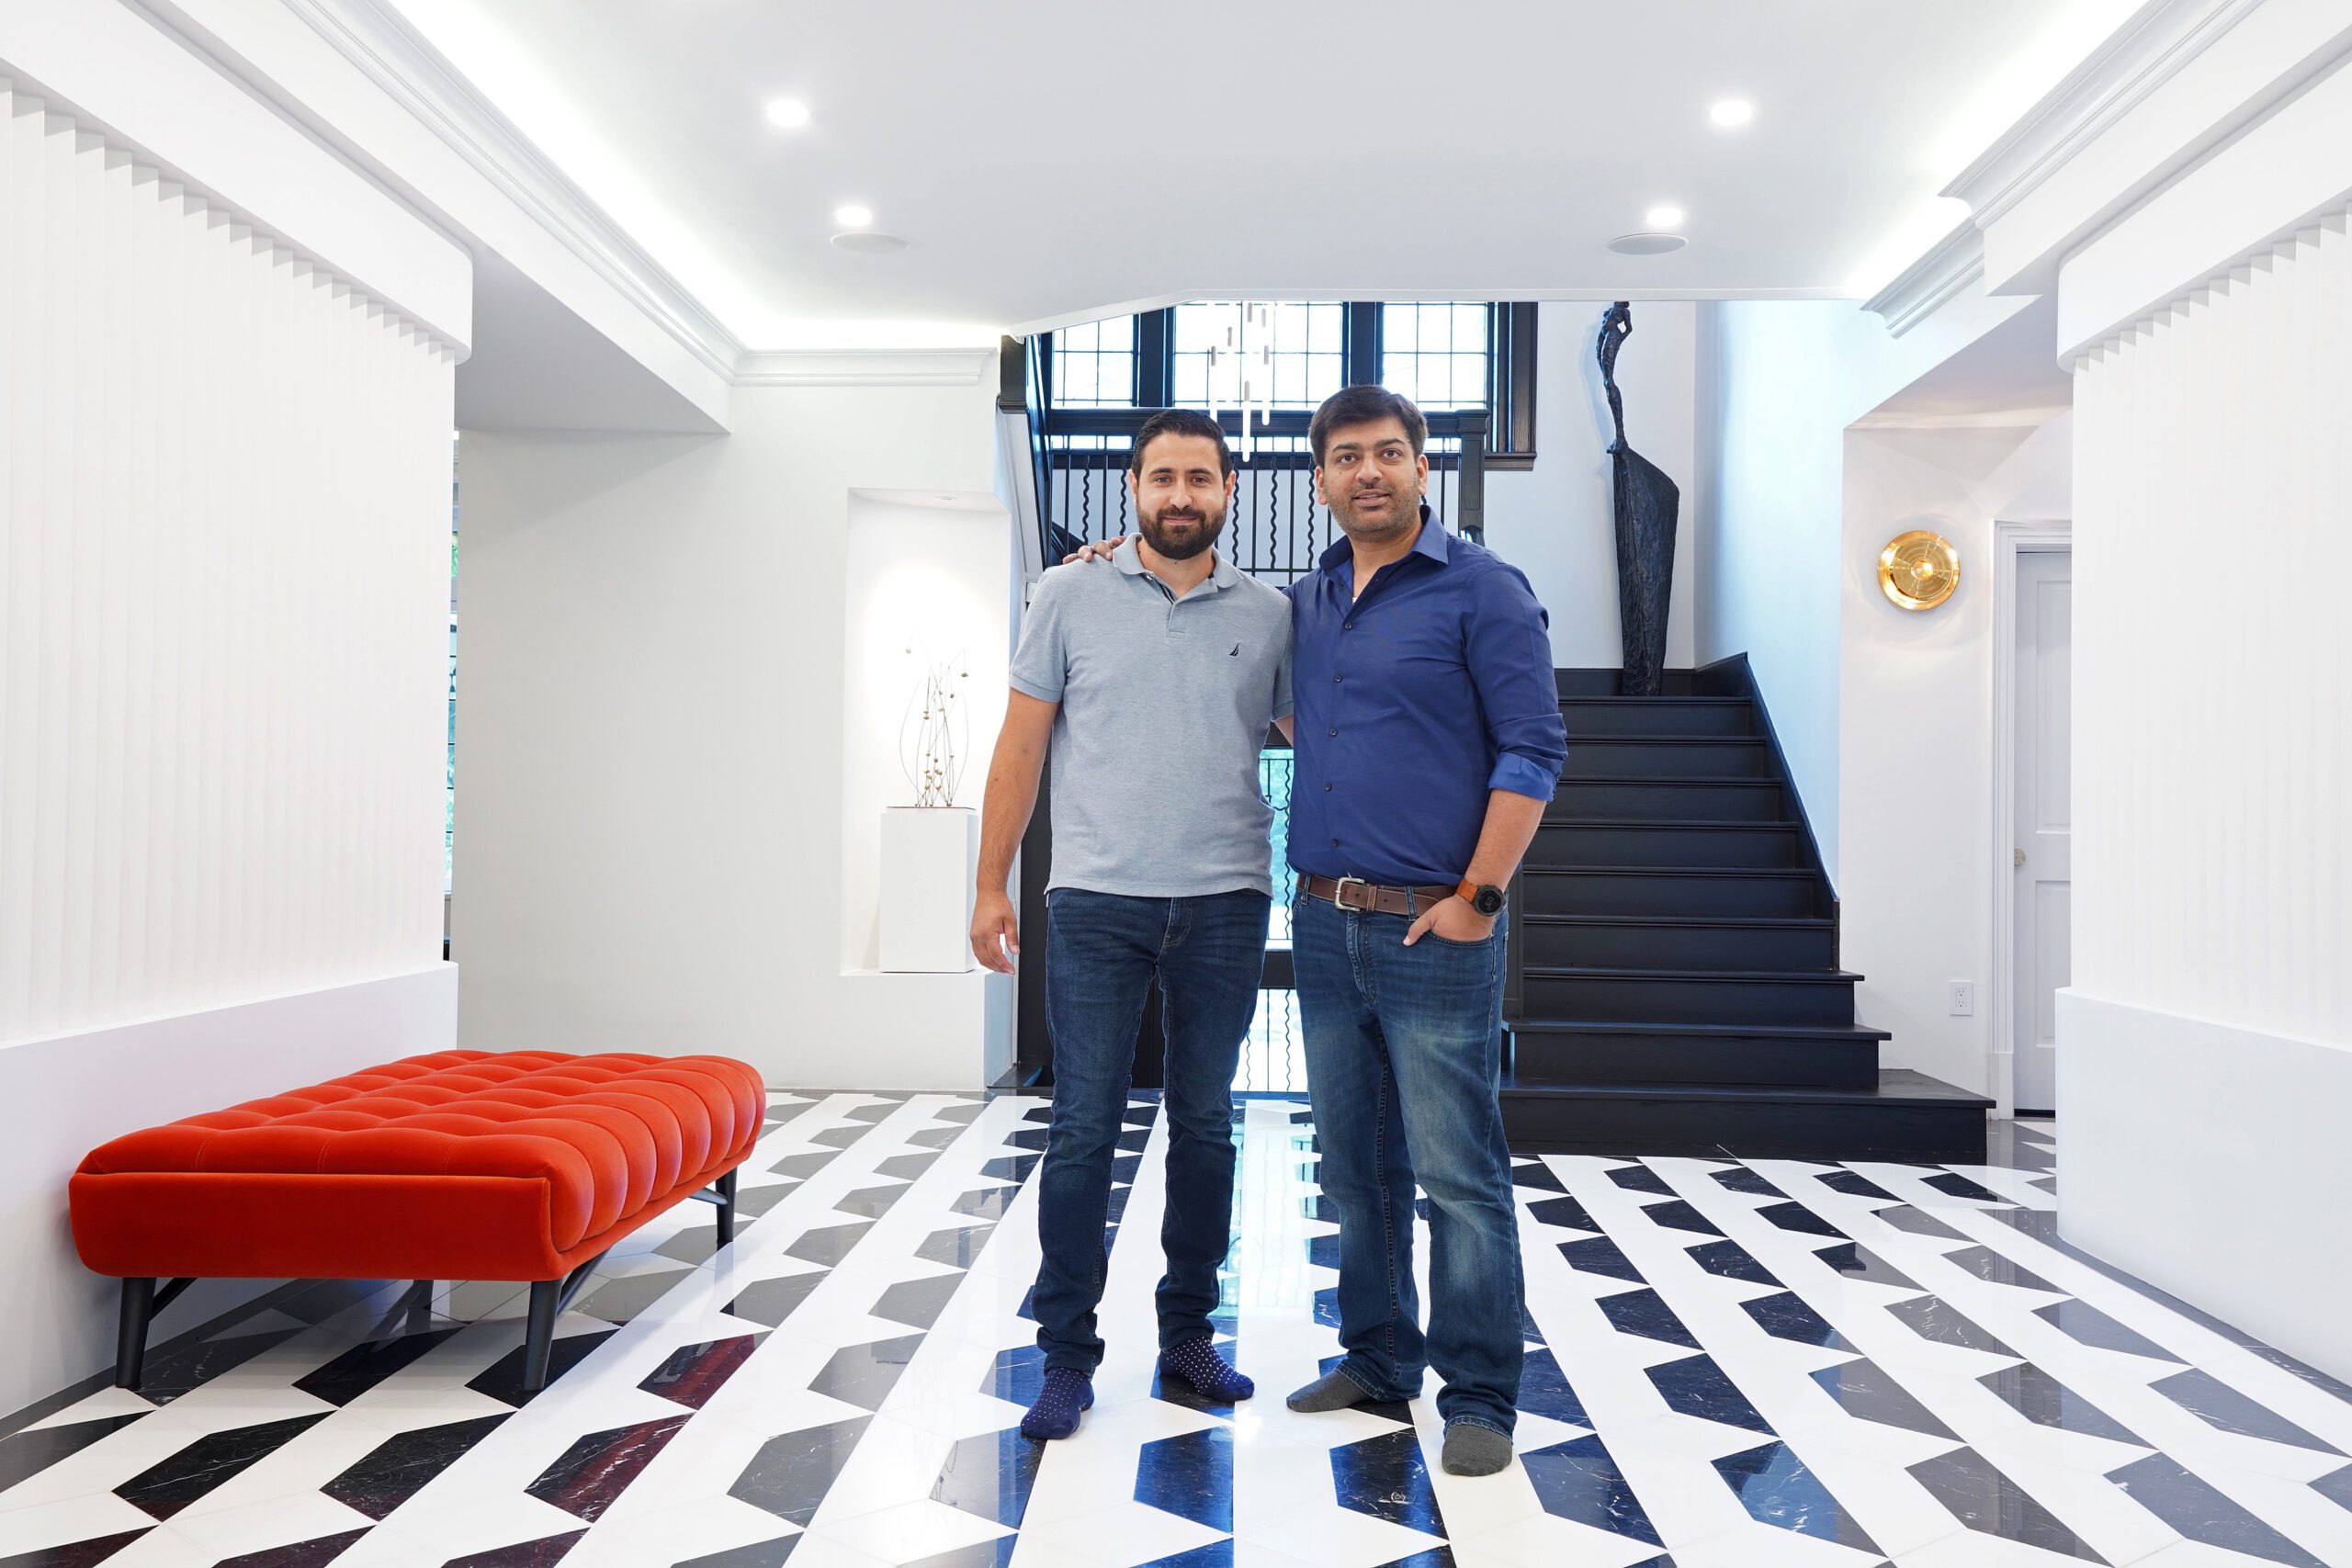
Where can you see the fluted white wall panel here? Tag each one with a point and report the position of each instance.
(2213, 657)
(224, 490)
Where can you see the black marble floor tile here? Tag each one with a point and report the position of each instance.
(2082, 1322)
(1786, 1317)
(2202, 1513)
(1013, 1168)
(1858, 1262)
(541, 1554)
(621, 1300)
(212, 1460)
(1680, 1216)
(75, 1554)
(864, 1375)
(1190, 1475)
(1640, 1178)
(2337, 1487)
(1733, 1261)
(1739, 1178)
(1386, 1478)
(1697, 1385)
(1998, 1269)
(1645, 1313)
(990, 1475)
(1124, 1168)
(2044, 1401)
(1777, 1488)
(1959, 1186)
(759, 1554)
(870, 1113)
(773, 1301)
(1990, 1503)
(906, 1167)
(790, 1474)
(754, 1202)
(1854, 1184)
(1919, 1221)
(1869, 1392)
(957, 1248)
(841, 1137)
(314, 1553)
(806, 1164)
(1019, 1375)
(986, 1203)
(1544, 1390)
(1580, 1482)
(1032, 1138)
(933, 1137)
(963, 1110)
(871, 1202)
(1209, 1554)
(691, 1374)
(2218, 1405)
(1932, 1317)
(829, 1244)
(25, 1454)
(1599, 1255)
(396, 1469)
(172, 1372)
(504, 1378)
(590, 1475)
(1561, 1210)
(1536, 1176)
(997, 1554)
(917, 1302)
(1323, 1251)
(1798, 1218)
(696, 1244)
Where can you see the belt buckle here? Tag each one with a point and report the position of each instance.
(1340, 894)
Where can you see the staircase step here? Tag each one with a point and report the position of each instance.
(1608, 682)
(1670, 891)
(1617, 840)
(1694, 756)
(1598, 717)
(1689, 996)
(1903, 1116)
(1557, 1051)
(1681, 798)
(1692, 943)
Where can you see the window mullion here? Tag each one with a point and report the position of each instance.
(1364, 344)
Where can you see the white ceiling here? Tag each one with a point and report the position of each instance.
(1056, 160)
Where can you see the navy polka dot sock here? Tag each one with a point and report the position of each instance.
(1068, 1391)
(1197, 1362)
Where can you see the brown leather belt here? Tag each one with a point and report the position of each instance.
(1354, 893)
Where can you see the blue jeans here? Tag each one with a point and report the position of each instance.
(1101, 950)
(1402, 1066)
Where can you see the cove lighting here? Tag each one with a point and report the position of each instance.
(790, 113)
(1663, 218)
(853, 216)
(1731, 113)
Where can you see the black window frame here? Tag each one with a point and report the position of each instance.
(1510, 368)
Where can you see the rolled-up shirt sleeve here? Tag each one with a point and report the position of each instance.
(1509, 652)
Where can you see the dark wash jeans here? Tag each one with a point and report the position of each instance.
(1101, 950)
(1402, 1067)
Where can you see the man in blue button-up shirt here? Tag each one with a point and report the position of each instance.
(1428, 738)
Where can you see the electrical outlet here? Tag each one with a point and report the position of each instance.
(1963, 998)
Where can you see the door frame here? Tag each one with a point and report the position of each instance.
(2010, 540)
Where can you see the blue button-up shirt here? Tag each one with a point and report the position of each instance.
(1414, 700)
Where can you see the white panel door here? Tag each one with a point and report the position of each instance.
(2044, 858)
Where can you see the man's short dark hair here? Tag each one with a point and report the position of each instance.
(1366, 405)
(1180, 421)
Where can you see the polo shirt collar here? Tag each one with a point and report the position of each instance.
(1128, 558)
(1433, 542)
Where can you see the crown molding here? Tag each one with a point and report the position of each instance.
(1952, 265)
(381, 44)
(866, 367)
(2140, 57)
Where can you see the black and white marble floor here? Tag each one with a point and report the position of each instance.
(1730, 1365)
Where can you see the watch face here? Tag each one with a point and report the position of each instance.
(1489, 901)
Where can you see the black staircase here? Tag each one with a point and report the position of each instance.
(1674, 981)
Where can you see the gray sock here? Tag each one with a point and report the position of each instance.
(1330, 1391)
(1473, 1450)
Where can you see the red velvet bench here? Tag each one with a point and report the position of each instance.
(463, 1165)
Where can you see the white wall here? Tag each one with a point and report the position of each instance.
(1556, 520)
(651, 790)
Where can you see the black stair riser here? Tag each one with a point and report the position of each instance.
(1682, 999)
(1599, 720)
(1606, 682)
(1618, 945)
(1687, 893)
(1764, 846)
(1642, 758)
(1706, 802)
(1563, 1124)
(1538, 1057)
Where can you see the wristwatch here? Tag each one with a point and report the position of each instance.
(1483, 897)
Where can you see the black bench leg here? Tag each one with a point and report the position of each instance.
(130, 1340)
(419, 1303)
(726, 1185)
(538, 1335)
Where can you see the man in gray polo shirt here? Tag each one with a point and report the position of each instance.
(1155, 684)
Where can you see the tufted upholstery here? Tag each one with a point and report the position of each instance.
(463, 1165)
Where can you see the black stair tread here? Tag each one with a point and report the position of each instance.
(1579, 868)
(1678, 824)
(1738, 922)
(1895, 1086)
(1858, 1033)
(1668, 740)
(1781, 977)
(1663, 699)
(1709, 779)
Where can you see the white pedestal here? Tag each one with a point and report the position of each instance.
(929, 856)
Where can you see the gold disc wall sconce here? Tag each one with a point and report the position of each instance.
(1919, 571)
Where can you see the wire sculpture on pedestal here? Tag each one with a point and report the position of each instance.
(932, 741)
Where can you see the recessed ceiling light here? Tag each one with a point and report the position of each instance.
(1663, 218)
(1732, 112)
(790, 113)
(1646, 245)
(853, 216)
(866, 242)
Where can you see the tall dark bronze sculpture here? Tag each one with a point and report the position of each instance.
(1648, 503)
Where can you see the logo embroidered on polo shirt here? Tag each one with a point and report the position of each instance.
(1236, 651)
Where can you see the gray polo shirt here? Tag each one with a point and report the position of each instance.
(1164, 708)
